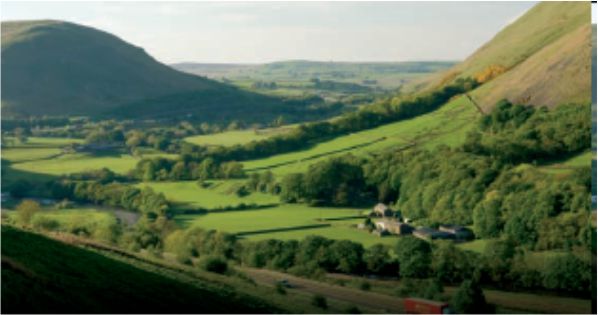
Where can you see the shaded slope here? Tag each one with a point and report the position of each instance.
(40, 275)
(60, 68)
(51, 67)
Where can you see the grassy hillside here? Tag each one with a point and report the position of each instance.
(540, 79)
(531, 57)
(47, 275)
(60, 68)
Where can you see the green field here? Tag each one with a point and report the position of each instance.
(288, 221)
(447, 126)
(189, 195)
(44, 156)
(566, 166)
(230, 138)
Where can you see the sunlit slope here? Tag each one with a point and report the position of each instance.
(447, 126)
(543, 57)
(558, 73)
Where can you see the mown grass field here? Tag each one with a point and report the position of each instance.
(230, 138)
(189, 195)
(288, 221)
(447, 126)
(44, 156)
(570, 164)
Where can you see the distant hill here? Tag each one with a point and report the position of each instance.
(543, 59)
(60, 68)
(47, 276)
(384, 74)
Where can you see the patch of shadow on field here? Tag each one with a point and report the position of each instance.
(187, 208)
(345, 218)
(284, 229)
(10, 175)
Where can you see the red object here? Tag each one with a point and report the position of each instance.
(421, 306)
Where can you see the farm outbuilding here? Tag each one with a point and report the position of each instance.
(461, 233)
(427, 233)
(382, 210)
(395, 227)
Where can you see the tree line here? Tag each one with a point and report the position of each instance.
(384, 112)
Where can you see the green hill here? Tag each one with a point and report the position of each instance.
(543, 59)
(60, 68)
(40, 275)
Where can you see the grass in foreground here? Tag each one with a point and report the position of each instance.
(49, 276)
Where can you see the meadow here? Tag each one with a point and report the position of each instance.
(219, 193)
(233, 137)
(288, 221)
(44, 156)
(447, 126)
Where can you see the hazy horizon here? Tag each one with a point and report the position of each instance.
(265, 32)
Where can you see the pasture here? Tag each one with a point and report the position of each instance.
(287, 221)
(234, 137)
(448, 125)
(44, 156)
(220, 193)
(570, 164)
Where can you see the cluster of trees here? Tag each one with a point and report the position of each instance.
(338, 182)
(516, 133)
(263, 182)
(467, 186)
(264, 85)
(161, 169)
(114, 194)
(339, 86)
(502, 265)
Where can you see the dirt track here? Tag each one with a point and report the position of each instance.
(372, 300)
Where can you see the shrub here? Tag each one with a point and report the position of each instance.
(26, 209)
(213, 264)
(44, 223)
(319, 301)
(365, 286)
(280, 288)
(353, 310)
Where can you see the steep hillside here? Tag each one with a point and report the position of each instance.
(558, 73)
(60, 68)
(542, 58)
(47, 276)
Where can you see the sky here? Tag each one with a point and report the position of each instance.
(259, 32)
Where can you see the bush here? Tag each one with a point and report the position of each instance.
(319, 301)
(280, 288)
(213, 264)
(44, 224)
(469, 299)
(352, 310)
(365, 286)
(26, 209)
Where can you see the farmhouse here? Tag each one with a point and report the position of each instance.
(394, 227)
(382, 210)
(427, 233)
(460, 232)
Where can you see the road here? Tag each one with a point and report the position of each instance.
(381, 302)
